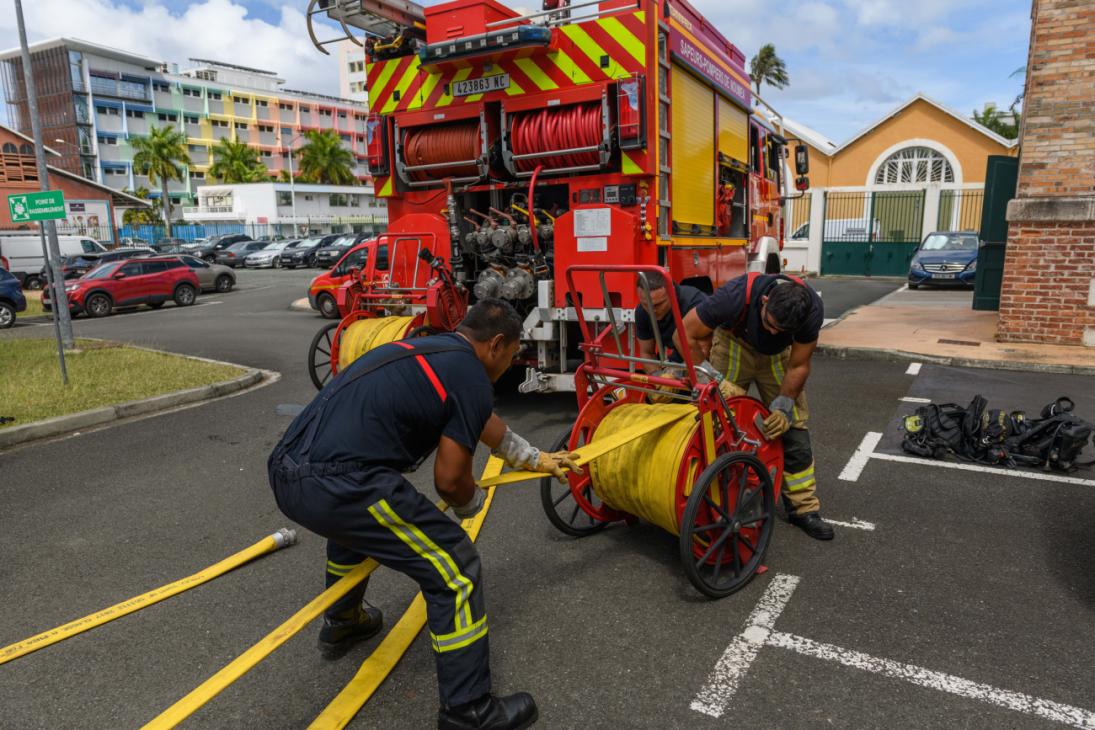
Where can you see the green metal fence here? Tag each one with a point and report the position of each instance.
(871, 233)
(960, 210)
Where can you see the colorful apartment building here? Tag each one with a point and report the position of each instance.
(93, 100)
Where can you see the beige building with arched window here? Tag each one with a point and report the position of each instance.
(919, 168)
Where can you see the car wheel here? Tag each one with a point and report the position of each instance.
(277, 263)
(224, 283)
(98, 305)
(327, 306)
(185, 295)
(34, 282)
(210, 259)
(7, 316)
(914, 286)
(155, 305)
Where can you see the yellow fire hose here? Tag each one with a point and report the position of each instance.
(281, 538)
(365, 334)
(656, 417)
(235, 669)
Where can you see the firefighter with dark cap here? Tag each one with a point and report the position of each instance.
(338, 471)
(763, 329)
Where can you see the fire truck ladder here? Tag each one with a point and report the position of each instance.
(378, 18)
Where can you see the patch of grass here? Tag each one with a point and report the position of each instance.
(34, 304)
(99, 374)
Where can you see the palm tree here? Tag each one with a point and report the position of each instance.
(323, 159)
(236, 162)
(768, 68)
(161, 156)
(994, 119)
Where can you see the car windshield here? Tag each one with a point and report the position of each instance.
(101, 272)
(343, 242)
(949, 242)
(276, 246)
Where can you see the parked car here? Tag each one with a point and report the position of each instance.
(945, 257)
(73, 267)
(133, 242)
(211, 277)
(304, 253)
(326, 256)
(12, 300)
(368, 257)
(168, 245)
(235, 254)
(23, 252)
(150, 281)
(219, 243)
(269, 257)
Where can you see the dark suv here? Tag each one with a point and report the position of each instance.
(218, 243)
(11, 299)
(305, 253)
(73, 267)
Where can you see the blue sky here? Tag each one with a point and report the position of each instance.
(850, 61)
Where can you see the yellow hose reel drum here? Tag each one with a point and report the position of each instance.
(721, 509)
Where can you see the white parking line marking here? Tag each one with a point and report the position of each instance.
(855, 465)
(913, 369)
(1046, 709)
(828, 321)
(856, 523)
(723, 683)
(911, 399)
(731, 668)
(1062, 479)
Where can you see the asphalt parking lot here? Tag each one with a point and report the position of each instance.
(949, 598)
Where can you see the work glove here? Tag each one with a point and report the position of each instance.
(664, 391)
(729, 389)
(471, 509)
(779, 421)
(556, 462)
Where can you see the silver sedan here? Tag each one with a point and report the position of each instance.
(211, 277)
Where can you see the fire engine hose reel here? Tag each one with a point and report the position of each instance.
(434, 153)
(578, 131)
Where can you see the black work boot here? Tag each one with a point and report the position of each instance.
(812, 524)
(345, 629)
(514, 712)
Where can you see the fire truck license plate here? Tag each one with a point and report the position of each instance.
(480, 85)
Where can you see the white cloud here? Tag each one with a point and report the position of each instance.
(216, 29)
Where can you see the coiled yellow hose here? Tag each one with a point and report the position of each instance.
(365, 334)
(640, 477)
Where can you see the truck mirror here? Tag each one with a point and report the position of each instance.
(802, 160)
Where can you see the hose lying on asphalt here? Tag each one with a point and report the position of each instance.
(282, 538)
(246, 661)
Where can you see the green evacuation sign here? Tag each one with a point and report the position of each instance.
(49, 205)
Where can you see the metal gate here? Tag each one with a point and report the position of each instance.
(871, 233)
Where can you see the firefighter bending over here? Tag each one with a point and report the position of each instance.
(688, 297)
(337, 472)
(764, 329)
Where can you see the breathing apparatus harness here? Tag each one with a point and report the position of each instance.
(996, 437)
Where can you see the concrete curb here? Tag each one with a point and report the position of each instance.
(86, 419)
(301, 305)
(870, 353)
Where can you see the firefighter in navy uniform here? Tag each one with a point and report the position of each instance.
(764, 329)
(337, 472)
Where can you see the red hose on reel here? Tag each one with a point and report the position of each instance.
(441, 144)
(545, 130)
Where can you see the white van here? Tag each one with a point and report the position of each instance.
(24, 254)
(840, 229)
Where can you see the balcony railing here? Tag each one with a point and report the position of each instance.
(207, 209)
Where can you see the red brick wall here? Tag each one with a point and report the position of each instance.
(1048, 273)
(1050, 261)
(1058, 145)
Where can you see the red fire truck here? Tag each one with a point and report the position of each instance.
(595, 133)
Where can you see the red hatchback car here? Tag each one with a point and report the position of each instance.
(150, 281)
